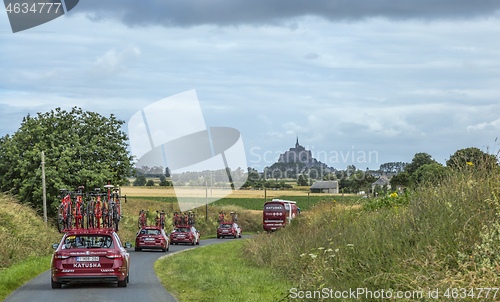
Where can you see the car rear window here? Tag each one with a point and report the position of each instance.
(226, 225)
(150, 232)
(182, 230)
(88, 242)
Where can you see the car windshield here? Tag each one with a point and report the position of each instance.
(150, 232)
(182, 230)
(88, 242)
(226, 225)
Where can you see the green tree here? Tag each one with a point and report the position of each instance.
(150, 183)
(422, 167)
(400, 180)
(330, 177)
(430, 173)
(162, 178)
(81, 149)
(303, 180)
(475, 157)
(140, 181)
(418, 160)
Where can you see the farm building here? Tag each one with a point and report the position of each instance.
(381, 182)
(321, 186)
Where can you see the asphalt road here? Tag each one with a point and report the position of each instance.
(143, 286)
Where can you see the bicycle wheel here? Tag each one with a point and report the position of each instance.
(89, 213)
(82, 214)
(104, 215)
(116, 218)
(69, 216)
(61, 223)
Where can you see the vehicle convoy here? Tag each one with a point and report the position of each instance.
(277, 213)
(228, 228)
(152, 237)
(90, 255)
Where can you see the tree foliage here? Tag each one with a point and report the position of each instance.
(471, 157)
(140, 181)
(81, 149)
(392, 167)
(303, 180)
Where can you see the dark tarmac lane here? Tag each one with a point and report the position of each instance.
(143, 286)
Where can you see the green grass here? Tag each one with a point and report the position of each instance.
(219, 273)
(445, 236)
(21, 272)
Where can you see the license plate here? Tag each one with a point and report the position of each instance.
(149, 239)
(87, 258)
(180, 236)
(225, 231)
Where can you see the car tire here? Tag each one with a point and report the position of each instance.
(240, 235)
(128, 278)
(55, 284)
(218, 237)
(235, 236)
(164, 250)
(122, 283)
(168, 248)
(192, 243)
(198, 242)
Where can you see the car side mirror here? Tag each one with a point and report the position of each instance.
(55, 246)
(128, 245)
(136, 234)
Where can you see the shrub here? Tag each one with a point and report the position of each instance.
(165, 183)
(140, 181)
(150, 183)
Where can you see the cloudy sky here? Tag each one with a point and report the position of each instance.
(388, 77)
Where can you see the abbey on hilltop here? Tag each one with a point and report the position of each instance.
(300, 154)
(296, 161)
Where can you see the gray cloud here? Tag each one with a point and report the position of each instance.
(259, 12)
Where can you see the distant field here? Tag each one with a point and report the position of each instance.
(258, 203)
(200, 192)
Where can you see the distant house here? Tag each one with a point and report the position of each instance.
(321, 186)
(381, 182)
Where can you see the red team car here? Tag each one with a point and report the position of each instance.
(228, 229)
(152, 237)
(90, 255)
(185, 234)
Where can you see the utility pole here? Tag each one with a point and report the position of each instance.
(44, 190)
(265, 194)
(206, 201)
(211, 182)
(308, 200)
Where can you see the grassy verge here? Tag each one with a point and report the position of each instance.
(435, 237)
(219, 273)
(21, 272)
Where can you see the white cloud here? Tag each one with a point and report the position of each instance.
(113, 62)
(495, 125)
